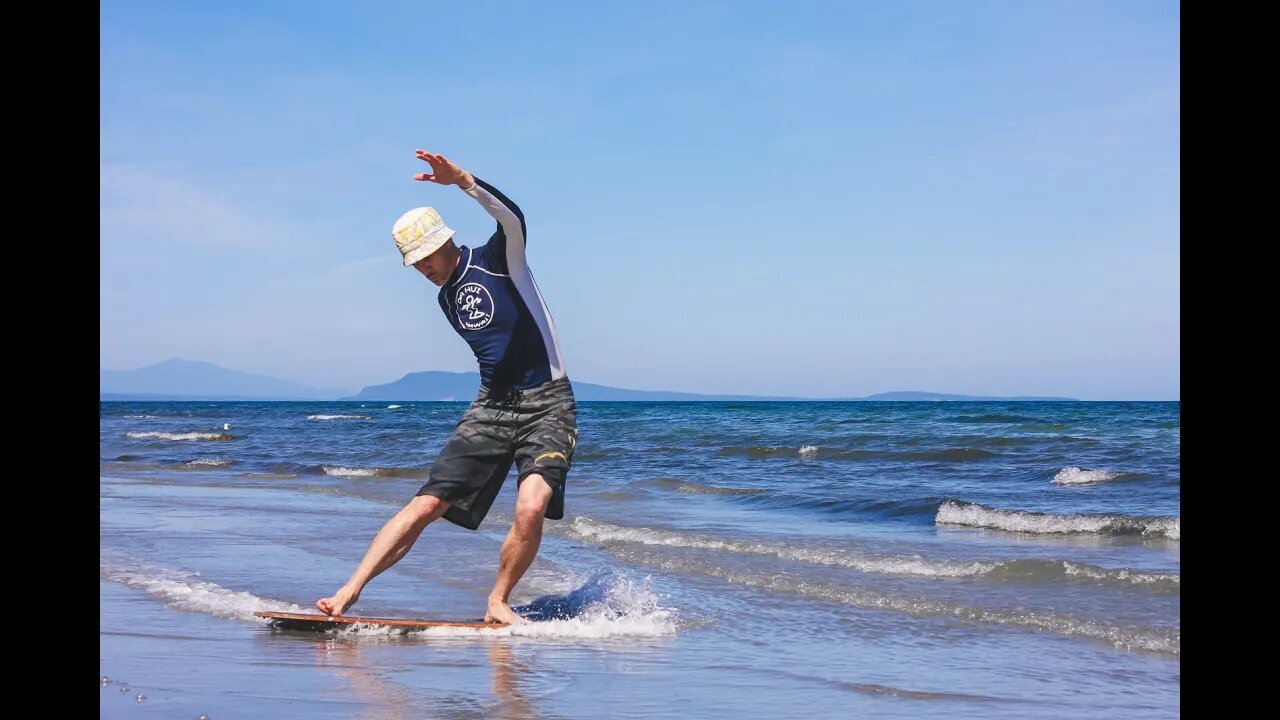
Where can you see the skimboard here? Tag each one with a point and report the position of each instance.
(300, 621)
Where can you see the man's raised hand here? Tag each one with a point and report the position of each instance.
(443, 171)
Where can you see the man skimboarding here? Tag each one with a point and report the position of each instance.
(524, 413)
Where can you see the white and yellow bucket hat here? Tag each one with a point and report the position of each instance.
(420, 232)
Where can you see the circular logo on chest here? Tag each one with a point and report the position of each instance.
(475, 306)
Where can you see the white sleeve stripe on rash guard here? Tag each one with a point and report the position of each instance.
(489, 272)
(521, 277)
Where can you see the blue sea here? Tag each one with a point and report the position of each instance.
(716, 560)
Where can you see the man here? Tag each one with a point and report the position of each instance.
(525, 411)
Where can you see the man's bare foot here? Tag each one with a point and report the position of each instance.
(500, 612)
(338, 604)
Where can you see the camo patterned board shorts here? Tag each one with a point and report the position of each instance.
(536, 429)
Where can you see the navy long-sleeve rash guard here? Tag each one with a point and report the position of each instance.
(492, 301)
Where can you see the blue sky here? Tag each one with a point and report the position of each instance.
(813, 199)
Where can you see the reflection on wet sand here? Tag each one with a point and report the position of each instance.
(509, 675)
(381, 699)
(387, 699)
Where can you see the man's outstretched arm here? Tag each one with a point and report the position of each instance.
(510, 218)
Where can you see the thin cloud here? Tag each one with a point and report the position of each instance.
(148, 210)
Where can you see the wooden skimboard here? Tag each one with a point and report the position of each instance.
(299, 621)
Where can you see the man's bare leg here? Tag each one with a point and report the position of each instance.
(520, 547)
(388, 546)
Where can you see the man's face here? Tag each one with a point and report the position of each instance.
(436, 266)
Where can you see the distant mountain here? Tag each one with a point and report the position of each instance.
(913, 396)
(179, 379)
(147, 397)
(438, 385)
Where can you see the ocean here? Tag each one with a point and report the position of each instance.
(716, 559)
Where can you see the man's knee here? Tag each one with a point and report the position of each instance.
(532, 500)
(425, 508)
